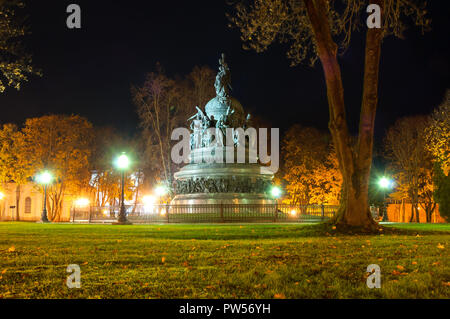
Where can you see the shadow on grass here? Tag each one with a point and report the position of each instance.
(211, 231)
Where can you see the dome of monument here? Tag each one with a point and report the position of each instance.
(216, 107)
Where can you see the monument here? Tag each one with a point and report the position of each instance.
(210, 177)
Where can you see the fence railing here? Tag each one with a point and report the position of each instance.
(207, 213)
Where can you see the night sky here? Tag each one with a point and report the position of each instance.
(90, 71)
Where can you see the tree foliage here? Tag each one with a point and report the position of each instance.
(406, 147)
(442, 191)
(438, 134)
(62, 145)
(310, 167)
(15, 64)
(265, 22)
(13, 166)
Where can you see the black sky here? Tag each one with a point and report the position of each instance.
(90, 71)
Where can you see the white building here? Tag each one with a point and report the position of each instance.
(25, 203)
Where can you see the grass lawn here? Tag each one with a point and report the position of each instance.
(222, 261)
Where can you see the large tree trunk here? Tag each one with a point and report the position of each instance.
(354, 160)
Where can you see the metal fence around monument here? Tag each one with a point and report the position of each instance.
(207, 213)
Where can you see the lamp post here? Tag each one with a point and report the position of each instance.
(122, 164)
(44, 178)
(384, 183)
(276, 192)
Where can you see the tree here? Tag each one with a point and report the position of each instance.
(160, 111)
(62, 145)
(438, 143)
(438, 134)
(310, 167)
(105, 180)
(316, 28)
(13, 166)
(442, 191)
(15, 64)
(405, 145)
(200, 86)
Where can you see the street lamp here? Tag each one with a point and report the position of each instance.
(44, 178)
(122, 164)
(276, 192)
(384, 183)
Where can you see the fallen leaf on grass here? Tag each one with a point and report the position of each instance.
(398, 273)
(279, 296)
(163, 259)
(400, 267)
(440, 246)
(11, 249)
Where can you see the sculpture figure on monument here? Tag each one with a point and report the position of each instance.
(196, 127)
(220, 130)
(247, 121)
(223, 81)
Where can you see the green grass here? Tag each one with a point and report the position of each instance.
(222, 261)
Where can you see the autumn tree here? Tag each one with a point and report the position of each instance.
(318, 28)
(13, 166)
(310, 167)
(105, 184)
(438, 143)
(15, 64)
(438, 134)
(62, 145)
(442, 191)
(406, 147)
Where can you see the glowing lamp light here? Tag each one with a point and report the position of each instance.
(160, 191)
(384, 182)
(82, 202)
(148, 200)
(44, 178)
(2, 195)
(293, 212)
(276, 192)
(122, 162)
(105, 212)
